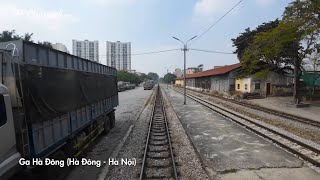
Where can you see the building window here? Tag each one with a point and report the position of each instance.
(257, 86)
(3, 112)
(238, 86)
(245, 86)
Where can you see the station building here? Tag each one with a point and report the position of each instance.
(220, 79)
(272, 84)
(225, 79)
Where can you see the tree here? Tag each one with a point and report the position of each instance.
(275, 49)
(272, 50)
(11, 36)
(161, 80)
(246, 38)
(128, 77)
(287, 44)
(27, 37)
(46, 43)
(153, 76)
(306, 15)
(313, 62)
(168, 78)
(144, 77)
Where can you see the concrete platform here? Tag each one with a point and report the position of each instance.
(226, 147)
(272, 174)
(285, 104)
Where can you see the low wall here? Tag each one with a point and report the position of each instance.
(281, 90)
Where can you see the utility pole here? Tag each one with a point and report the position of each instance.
(296, 82)
(185, 49)
(184, 75)
(166, 67)
(167, 76)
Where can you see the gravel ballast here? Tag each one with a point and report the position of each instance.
(133, 147)
(188, 164)
(305, 131)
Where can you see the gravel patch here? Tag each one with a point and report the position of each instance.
(130, 104)
(156, 172)
(158, 148)
(189, 164)
(133, 147)
(158, 162)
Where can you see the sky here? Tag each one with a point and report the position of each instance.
(148, 24)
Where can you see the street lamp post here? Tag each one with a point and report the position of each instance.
(185, 49)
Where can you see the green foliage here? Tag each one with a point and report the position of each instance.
(153, 76)
(272, 50)
(46, 43)
(261, 74)
(161, 80)
(275, 45)
(27, 37)
(144, 77)
(11, 36)
(132, 78)
(168, 78)
(246, 38)
(128, 77)
(306, 14)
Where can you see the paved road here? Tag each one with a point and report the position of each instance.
(131, 102)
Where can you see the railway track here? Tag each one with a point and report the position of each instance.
(158, 159)
(281, 114)
(305, 151)
(270, 111)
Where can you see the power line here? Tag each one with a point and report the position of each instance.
(216, 22)
(209, 51)
(152, 52)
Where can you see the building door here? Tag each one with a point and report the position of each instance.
(268, 89)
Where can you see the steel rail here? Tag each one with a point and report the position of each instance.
(147, 141)
(158, 98)
(302, 154)
(271, 111)
(169, 139)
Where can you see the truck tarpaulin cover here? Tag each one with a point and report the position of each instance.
(50, 92)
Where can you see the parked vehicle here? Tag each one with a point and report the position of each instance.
(133, 86)
(121, 86)
(51, 103)
(148, 85)
(127, 85)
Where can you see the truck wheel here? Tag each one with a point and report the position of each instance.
(107, 124)
(112, 119)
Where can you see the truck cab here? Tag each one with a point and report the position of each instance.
(9, 156)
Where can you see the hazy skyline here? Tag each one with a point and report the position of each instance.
(148, 24)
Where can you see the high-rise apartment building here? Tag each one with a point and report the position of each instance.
(119, 55)
(86, 49)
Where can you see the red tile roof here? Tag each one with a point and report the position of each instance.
(211, 72)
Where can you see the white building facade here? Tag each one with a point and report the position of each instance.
(60, 47)
(86, 49)
(119, 55)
